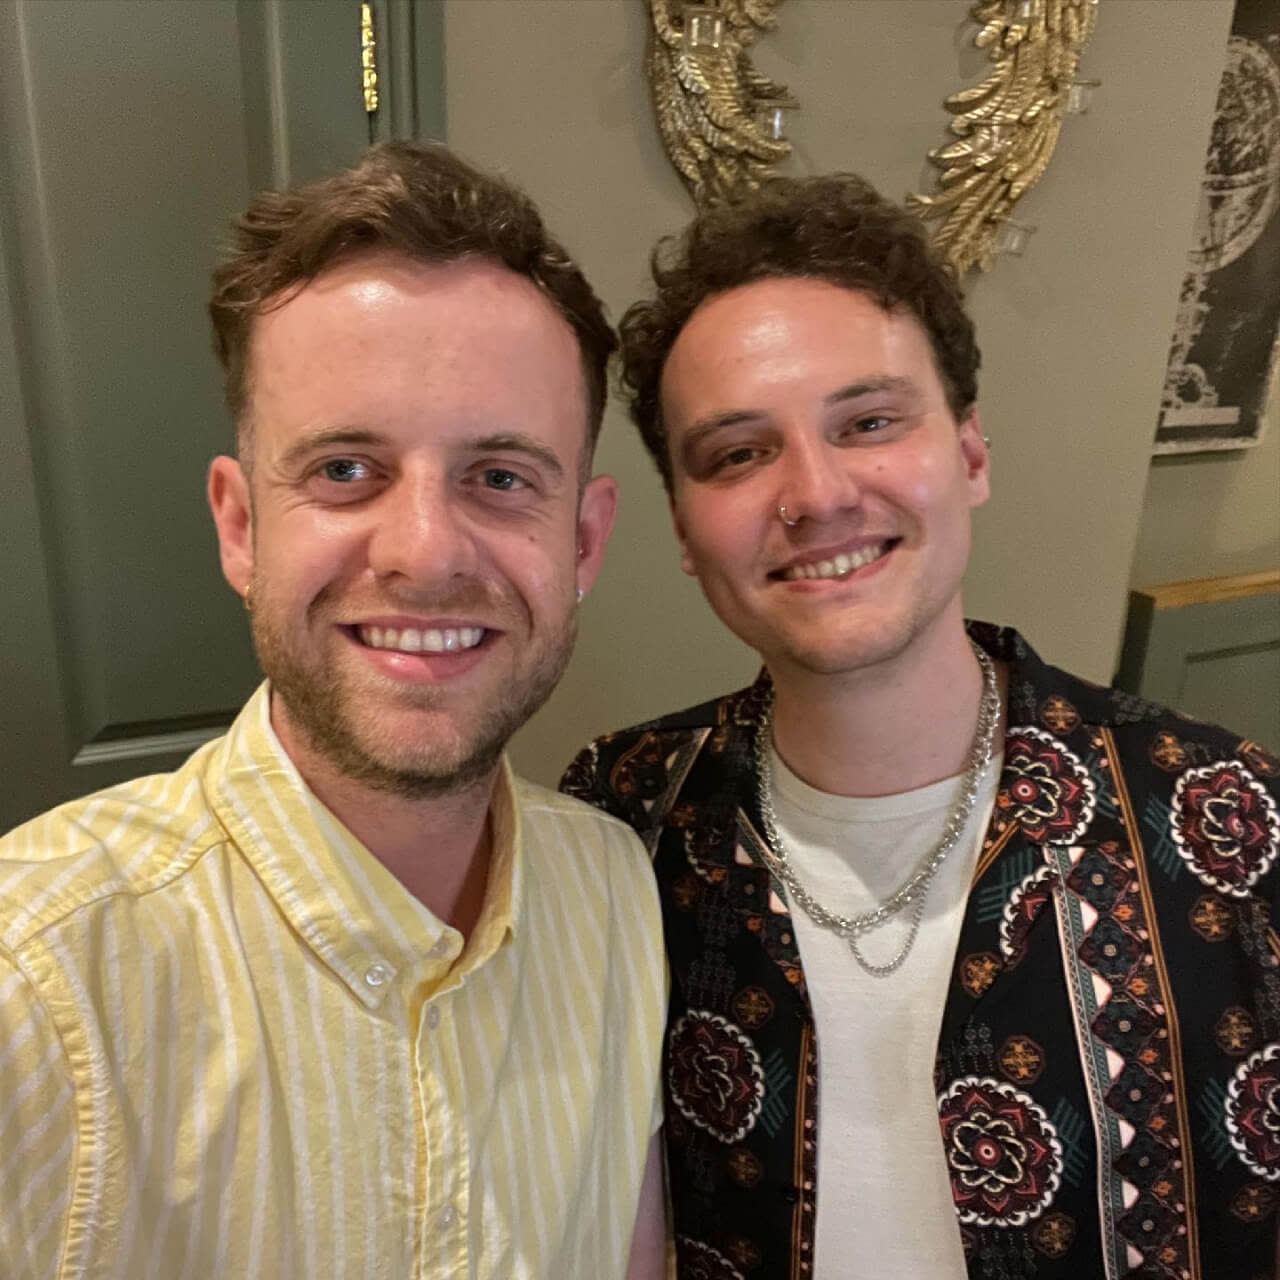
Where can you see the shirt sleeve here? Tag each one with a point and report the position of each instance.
(37, 1133)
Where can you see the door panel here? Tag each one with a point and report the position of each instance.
(130, 132)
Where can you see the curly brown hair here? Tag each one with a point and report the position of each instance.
(420, 200)
(837, 228)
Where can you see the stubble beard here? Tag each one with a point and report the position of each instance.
(875, 645)
(320, 707)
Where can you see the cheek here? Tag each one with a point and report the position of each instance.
(725, 530)
(304, 548)
(540, 571)
(934, 484)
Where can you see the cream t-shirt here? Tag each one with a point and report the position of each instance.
(884, 1205)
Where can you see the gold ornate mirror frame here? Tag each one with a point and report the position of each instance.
(721, 120)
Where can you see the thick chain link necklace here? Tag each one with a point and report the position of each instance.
(911, 896)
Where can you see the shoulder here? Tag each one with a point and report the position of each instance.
(1161, 751)
(631, 771)
(1152, 740)
(582, 855)
(128, 839)
(703, 715)
(557, 815)
(1202, 795)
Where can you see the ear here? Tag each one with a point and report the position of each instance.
(228, 491)
(686, 560)
(977, 458)
(596, 512)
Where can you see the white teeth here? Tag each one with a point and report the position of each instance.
(838, 566)
(408, 640)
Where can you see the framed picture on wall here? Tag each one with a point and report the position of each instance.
(1225, 339)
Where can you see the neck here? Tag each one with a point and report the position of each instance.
(438, 848)
(884, 729)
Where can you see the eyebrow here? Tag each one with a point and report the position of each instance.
(873, 385)
(518, 442)
(325, 439)
(328, 437)
(870, 386)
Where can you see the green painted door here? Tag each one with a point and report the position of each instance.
(130, 132)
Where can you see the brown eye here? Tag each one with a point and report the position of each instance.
(870, 425)
(738, 457)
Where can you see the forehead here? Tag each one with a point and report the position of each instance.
(788, 335)
(391, 341)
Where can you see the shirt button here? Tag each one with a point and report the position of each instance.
(433, 1021)
(448, 1215)
(377, 975)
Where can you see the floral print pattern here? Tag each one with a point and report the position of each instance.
(1253, 1112)
(699, 1261)
(1045, 788)
(714, 1074)
(1004, 1155)
(1225, 826)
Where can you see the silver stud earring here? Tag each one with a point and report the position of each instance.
(782, 515)
(581, 593)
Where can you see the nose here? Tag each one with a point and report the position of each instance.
(419, 538)
(816, 481)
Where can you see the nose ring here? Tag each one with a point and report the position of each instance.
(782, 515)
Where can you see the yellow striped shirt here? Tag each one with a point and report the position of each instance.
(232, 1044)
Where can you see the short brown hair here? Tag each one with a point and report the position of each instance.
(420, 200)
(836, 228)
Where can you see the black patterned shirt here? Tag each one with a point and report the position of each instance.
(1108, 1067)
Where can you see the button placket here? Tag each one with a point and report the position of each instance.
(444, 1216)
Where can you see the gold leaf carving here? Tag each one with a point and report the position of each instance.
(708, 100)
(1009, 123)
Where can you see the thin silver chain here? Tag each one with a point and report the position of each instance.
(913, 892)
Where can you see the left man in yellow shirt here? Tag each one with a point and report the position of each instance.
(342, 996)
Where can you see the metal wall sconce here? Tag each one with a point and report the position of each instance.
(1007, 126)
(723, 123)
(721, 120)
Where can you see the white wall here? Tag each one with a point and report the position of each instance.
(1074, 335)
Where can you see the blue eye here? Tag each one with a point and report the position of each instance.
(343, 470)
(501, 479)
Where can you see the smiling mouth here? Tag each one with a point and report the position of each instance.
(837, 566)
(428, 640)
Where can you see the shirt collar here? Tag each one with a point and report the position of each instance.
(356, 917)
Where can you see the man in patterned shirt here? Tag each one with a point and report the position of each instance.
(342, 996)
(974, 966)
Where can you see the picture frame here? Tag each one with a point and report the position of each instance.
(1226, 338)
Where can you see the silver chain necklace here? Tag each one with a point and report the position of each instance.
(911, 896)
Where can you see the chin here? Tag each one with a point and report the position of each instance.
(850, 654)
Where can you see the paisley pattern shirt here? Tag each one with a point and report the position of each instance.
(1108, 1067)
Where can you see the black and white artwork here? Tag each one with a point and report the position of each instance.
(1223, 354)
